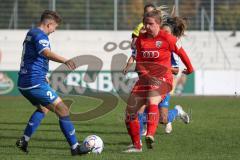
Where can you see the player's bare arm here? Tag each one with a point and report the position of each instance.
(57, 58)
(128, 65)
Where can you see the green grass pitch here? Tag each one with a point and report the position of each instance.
(214, 132)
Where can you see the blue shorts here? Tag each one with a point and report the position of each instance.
(41, 95)
(165, 102)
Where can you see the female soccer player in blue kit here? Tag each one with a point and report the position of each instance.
(34, 87)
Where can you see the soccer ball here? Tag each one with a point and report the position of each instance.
(93, 143)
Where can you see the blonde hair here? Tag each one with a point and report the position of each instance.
(177, 24)
(156, 14)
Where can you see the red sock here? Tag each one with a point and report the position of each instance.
(152, 119)
(133, 128)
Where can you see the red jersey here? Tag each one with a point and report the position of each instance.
(156, 52)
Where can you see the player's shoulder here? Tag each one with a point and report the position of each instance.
(36, 33)
(169, 37)
(143, 36)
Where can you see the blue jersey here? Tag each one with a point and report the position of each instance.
(34, 65)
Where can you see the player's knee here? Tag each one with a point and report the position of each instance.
(61, 110)
(163, 115)
(42, 109)
(154, 100)
(163, 120)
(45, 110)
(131, 109)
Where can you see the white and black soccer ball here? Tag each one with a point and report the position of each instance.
(94, 143)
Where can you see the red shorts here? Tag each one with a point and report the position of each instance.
(142, 88)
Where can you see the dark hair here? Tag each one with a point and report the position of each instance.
(51, 15)
(149, 5)
(156, 14)
(178, 25)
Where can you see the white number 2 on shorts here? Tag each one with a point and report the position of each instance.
(49, 93)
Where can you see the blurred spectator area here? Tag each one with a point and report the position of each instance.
(118, 14)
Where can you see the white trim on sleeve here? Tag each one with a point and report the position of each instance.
(43, 49)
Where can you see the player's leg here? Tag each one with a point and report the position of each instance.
(172, 114)
(33, 122)
(163, 109)
(31, 127)
(142, 117)
(182, 114)
(46, 96)
(153, 116)
(66, 125)
(132, 122)
(180, 84)
(177, 111)
(167, 116)
(142, 122)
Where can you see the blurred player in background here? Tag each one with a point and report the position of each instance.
(139, 29)
(34, 87)
(180, 83)
(175, 26)
(158, 77)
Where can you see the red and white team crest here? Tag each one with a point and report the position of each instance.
(158, 44)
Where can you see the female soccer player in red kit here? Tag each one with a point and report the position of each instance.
(153, 62)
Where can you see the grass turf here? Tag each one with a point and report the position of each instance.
(212, 134)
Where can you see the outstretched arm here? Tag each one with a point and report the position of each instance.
(57, 58)
(175, 46)
(182, 54)
(129, 64)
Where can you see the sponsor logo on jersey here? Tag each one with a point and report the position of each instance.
(44, 42)
(158, 44)
(150, 54)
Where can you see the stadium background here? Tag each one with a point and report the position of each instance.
(89, 26)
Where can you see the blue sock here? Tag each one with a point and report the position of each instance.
(141, 122)
(33, 123)
(172, 114)
(145, 113)
(68, 130)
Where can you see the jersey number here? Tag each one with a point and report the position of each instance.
(49, 93)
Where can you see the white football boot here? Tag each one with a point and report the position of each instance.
(182, 114)
(132, 150)
(168, 128)
(132, 146)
